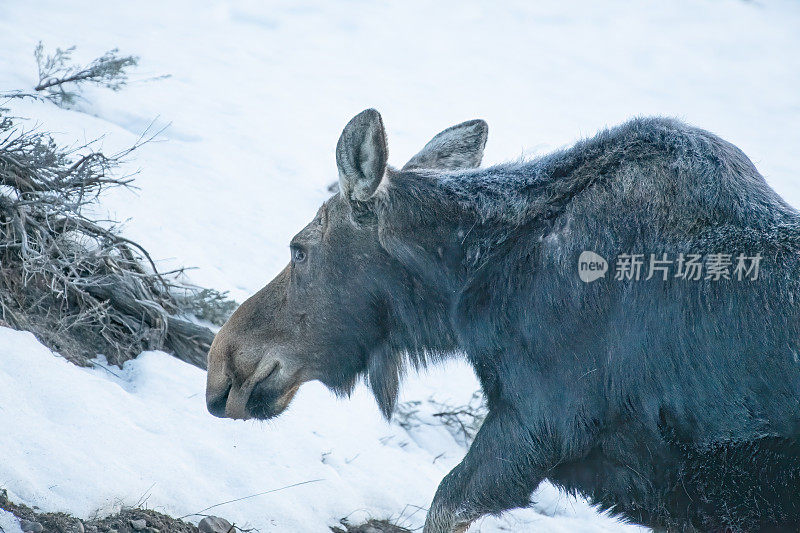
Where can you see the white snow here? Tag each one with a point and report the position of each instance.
(258, 95)
(9, 523)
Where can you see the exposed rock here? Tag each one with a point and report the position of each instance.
(30, 526)
(214, 524)
(139, 524)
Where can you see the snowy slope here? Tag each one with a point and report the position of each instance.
(258, 95)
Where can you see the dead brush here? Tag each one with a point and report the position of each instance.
(461, 421)
(75, 282)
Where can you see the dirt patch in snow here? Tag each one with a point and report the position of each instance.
(129, 520)
(120, 522)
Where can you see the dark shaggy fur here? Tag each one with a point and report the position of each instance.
(672, 402)
(675, 403)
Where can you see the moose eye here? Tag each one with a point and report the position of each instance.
(298, 254)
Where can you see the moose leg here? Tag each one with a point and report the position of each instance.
(498, 473)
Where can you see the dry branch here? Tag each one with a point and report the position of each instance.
(60, 80)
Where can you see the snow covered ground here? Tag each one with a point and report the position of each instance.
(258, 95)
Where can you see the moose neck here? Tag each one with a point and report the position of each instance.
(436, 231)
(444, 226)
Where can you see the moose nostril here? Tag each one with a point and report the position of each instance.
(272, 372)
(216, 406)
(264, 394)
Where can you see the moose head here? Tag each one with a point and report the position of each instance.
(351, 302)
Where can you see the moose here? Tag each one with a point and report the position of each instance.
(670, 400)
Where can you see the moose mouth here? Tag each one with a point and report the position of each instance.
(268, 398)
(267, 402)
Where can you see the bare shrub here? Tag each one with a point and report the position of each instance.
(77, 283)
(208, 304)
(461, 421)
(370, 526)
(60, 80)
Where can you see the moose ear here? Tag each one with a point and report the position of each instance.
(361, 155)
(460, 146)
